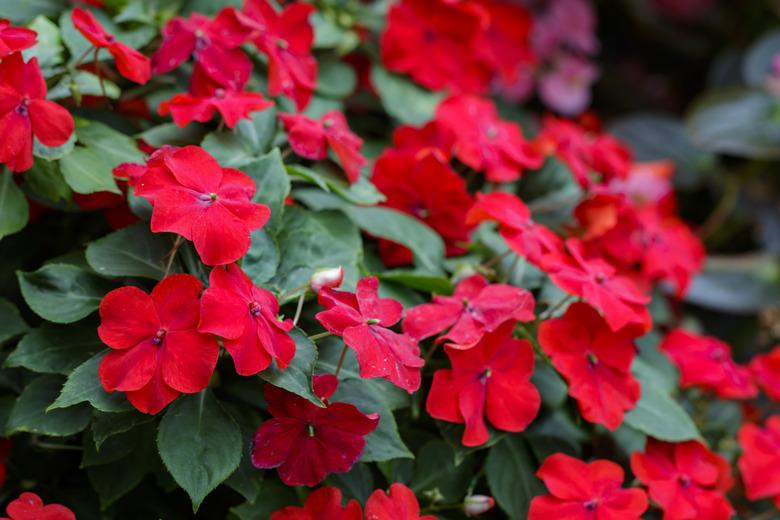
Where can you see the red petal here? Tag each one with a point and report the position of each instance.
(176, 298)
(131, 64)
(275, 440)
(195, 168)
(384, 353)
(219, 236)
(153, 397)
(52, 124)
(188, 360)
(386, 310)
(127, 317)
(129, 369)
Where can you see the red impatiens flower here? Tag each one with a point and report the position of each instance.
(247, 318)
(582, 491)
(29, 506)
(706, 362)
(322, 504)
(617, 298)
(129, 62)
(435, 42)
(595, 361)
(766, 370)
(214, 43)
(505, 43)
(25, 112)
(492, 378)
(399, 504)
(483, 141)
(206, 97)
(433, 137)
(286, 38)
(362, 319)
(759, 463)
(475, 308)
(195, 197)
(524, 236)
(423, 186)
(158, 352)
(14, 39)
(304, 441)
(685, 479)
(310, 138)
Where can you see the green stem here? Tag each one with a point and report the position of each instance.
(321, 335)
(299, 308)
(341, 360)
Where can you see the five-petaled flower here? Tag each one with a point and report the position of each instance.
(29, 506)
(14, 39)
(399, 504)
(157, 352)
(305, 442)
(322, 504)
(362, 319)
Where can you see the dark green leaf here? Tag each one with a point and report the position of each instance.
(108, 424)
(362, 192)
(335, 79)
(510, 471)
(273, 496)
(737, 285)
(11, 322)
(262, 259)
(171, 134)
(114, 480)
(257, 133)
(83, 385)
(757, 65)
(296, 378)
(20, 12)
(131, 251)
(85, 84)
(48, 48)
(44, 181)
(420, 281)
(273, 185)
(403, 99)
(14, 211)
(551, 387)
(357, 483)
(435, 469)
(55, 349)
(86, 170)
(29, 413)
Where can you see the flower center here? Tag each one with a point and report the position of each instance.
(254, 308)
(23, 108)
(310, 427)
(429, 35)
(592, 360)
(282, 44)
(158, 337)
(684, 480)
(372, 321)
(591, 505)
(485, 375)
(491, 132)
(219, 93)
(110, 38)
(600, 278)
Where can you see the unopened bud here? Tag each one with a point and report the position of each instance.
(474, 505)
(330, 277)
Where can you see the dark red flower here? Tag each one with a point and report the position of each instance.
(766, 370)
(490, 379)
(247, 319)
(505, 43)
(206, 97)
(362, 319)
(706, 362)
(474, 309)
(14, 39)
(322, 504)
(25, 112)
(759, 463)
(286, 38)
(29, 506)
(597, 282)
(158, 352)
(524, 236)
(129, 62)
(435, 42)
(423, 186)
(595, 361)
(304, 441)
(310, 138)
(214, 43)
(399, 504)
(685, 479)
(196, 198)
(582, 491)
(483, 141)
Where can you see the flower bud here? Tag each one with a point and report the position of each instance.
(474, 505)
(330, 277)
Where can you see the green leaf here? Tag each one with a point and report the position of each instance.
(510, 470)
(14, 211)
(257, 133)
(416, 280)
(114, 480)
(273, 185)
(226, 147)
(44, 182)
(551, 387)
(740, 284)
(55, 349)
(85, 84)
(335, 79)
(757, 62)
(296, 378)
(171, 134)
(273, 496)
(11, 322)
(62, 293)
(83, 385)
(357, 483)
(131, 251)
(29, 413)
(86, 170)
(106, 425)
(262, 259)
(362, 192)
(199, 443)
(435, 469)
(48, 48)
(20, 12)
(403, 99)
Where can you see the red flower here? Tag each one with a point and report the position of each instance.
(362, 319)
(582, 491)
(483, 141)
(759, 463)
(305, 442)
(14, 39)
(685, 479)
(423, 186)
(399, 504)
(246, 317)
(286, 38)
(493, 379)
(322, 504)
(474, 309)
(505, 43)
(29, 506)
(766, 370)
(158, 352)
(435, 41)
(131, 64)
(24, 112)
(206, 96)
(524, 236)
(310, 138)
(215, 45)
(195, 197)
(433, 138)
(595, 361)
(595, 281)
(706, 362)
